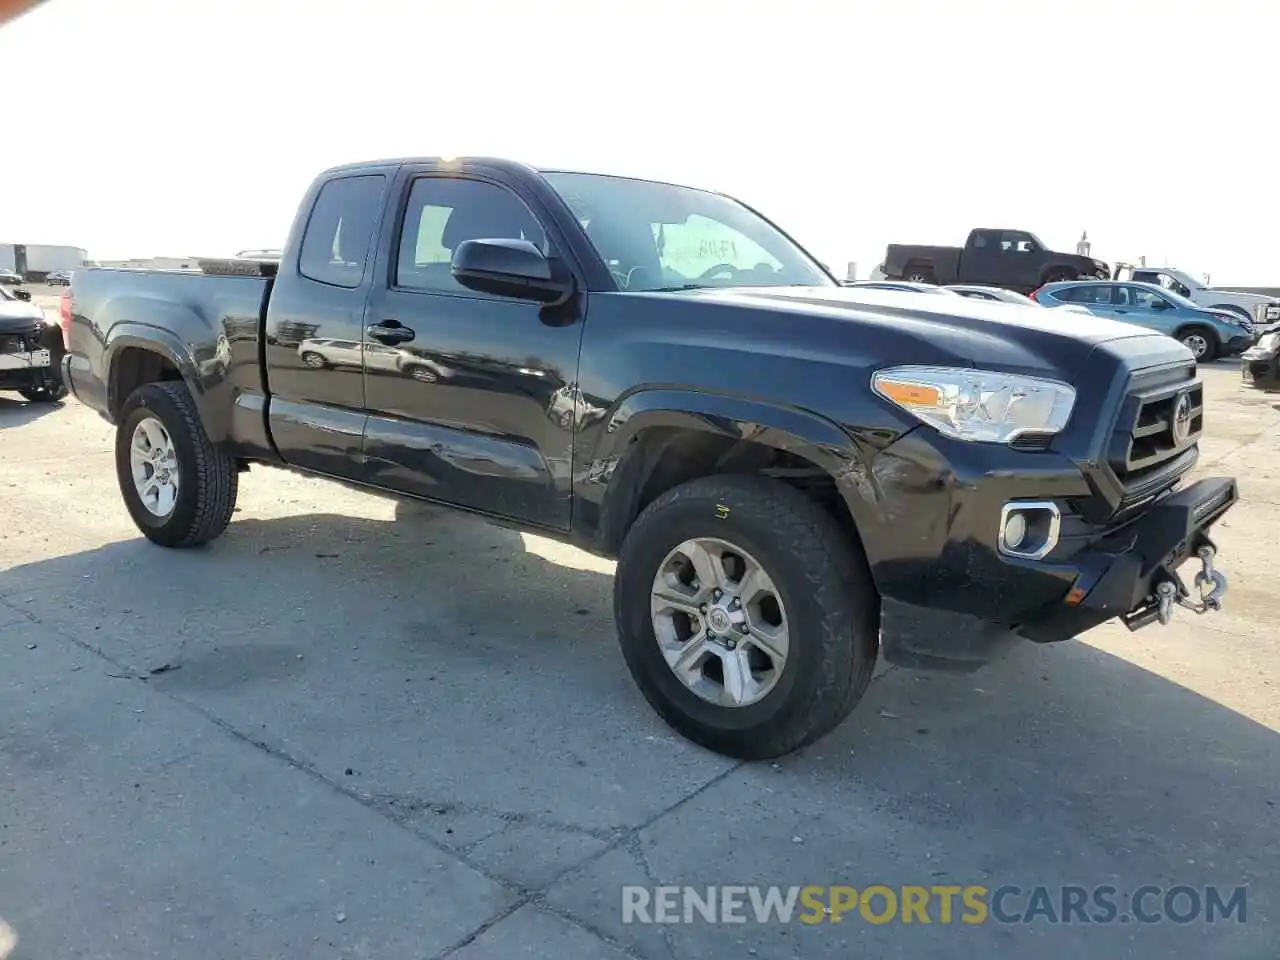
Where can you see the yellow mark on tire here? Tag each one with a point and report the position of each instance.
(722, 512)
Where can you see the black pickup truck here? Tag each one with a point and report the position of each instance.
(793, 476)
(1013, 259)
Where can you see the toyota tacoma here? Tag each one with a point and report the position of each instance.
(794, 477)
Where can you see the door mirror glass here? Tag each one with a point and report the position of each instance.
(509, 268)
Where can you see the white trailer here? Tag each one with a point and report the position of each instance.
(35, 260)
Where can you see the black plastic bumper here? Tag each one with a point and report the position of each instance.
(1119, 575)
(1104, 575)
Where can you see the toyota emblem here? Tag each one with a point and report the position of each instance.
(1182, 419)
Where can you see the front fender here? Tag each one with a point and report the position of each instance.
(611, 484)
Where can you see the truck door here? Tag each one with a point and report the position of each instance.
(472, 410)
(1022, 262)
(980, 258)
(315, 325)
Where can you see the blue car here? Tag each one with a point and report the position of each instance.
(1206, 332)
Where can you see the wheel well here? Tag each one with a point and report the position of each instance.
(134, 367)
(1186, 328)
(670, 457)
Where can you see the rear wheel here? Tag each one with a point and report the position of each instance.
(921, 275)
(746, 615)
(1061, 276)
(314, 360)
(179, 488)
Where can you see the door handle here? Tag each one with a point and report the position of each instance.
(1118, 310)
(389, 331)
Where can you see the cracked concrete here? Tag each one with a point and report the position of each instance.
(382, 730)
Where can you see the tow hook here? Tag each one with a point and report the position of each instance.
(1170, 592)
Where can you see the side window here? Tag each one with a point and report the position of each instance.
(1144, 298)
(442, 212)
(1086, 293)
(984, 240)
(335, 245)
(1011, 242)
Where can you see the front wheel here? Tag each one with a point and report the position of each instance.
(179, 488)
(746, 615)
(1202, 343)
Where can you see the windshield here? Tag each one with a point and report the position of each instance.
(658, 236)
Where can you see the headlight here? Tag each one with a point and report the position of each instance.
(977, 405)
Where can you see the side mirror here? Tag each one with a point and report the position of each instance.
(1159, 304)
(22, 294)
(511, 268)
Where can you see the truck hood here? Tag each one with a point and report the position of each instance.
(933, 328)
(1237, 296)
(12, 310)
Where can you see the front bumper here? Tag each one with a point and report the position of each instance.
(1124, 573)
(1239, 343)
(24, 368)
(951, 598)
(1261, 369)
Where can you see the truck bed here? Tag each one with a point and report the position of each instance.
(211, 326)
(942, 262)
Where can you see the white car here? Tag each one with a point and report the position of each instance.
(15, 308)
(1263, 311)
(321, 352)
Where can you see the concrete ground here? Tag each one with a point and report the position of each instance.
(351, 729)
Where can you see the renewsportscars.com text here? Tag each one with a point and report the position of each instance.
(935, 903)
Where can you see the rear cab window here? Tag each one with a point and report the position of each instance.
(338, 237)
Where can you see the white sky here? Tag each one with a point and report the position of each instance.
(187, 127)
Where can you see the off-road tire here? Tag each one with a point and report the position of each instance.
(824, 582)
(208, 477)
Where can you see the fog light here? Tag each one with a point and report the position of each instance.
(1015, 530)
(1029, 530)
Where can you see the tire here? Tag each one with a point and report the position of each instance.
(920, 275)
(1193, 337)
(314, 360)
(422, 374)
(824, 587)
(208, 480)
(49, 393)
(1061, 276)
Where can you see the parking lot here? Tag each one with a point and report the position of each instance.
(353, 727)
